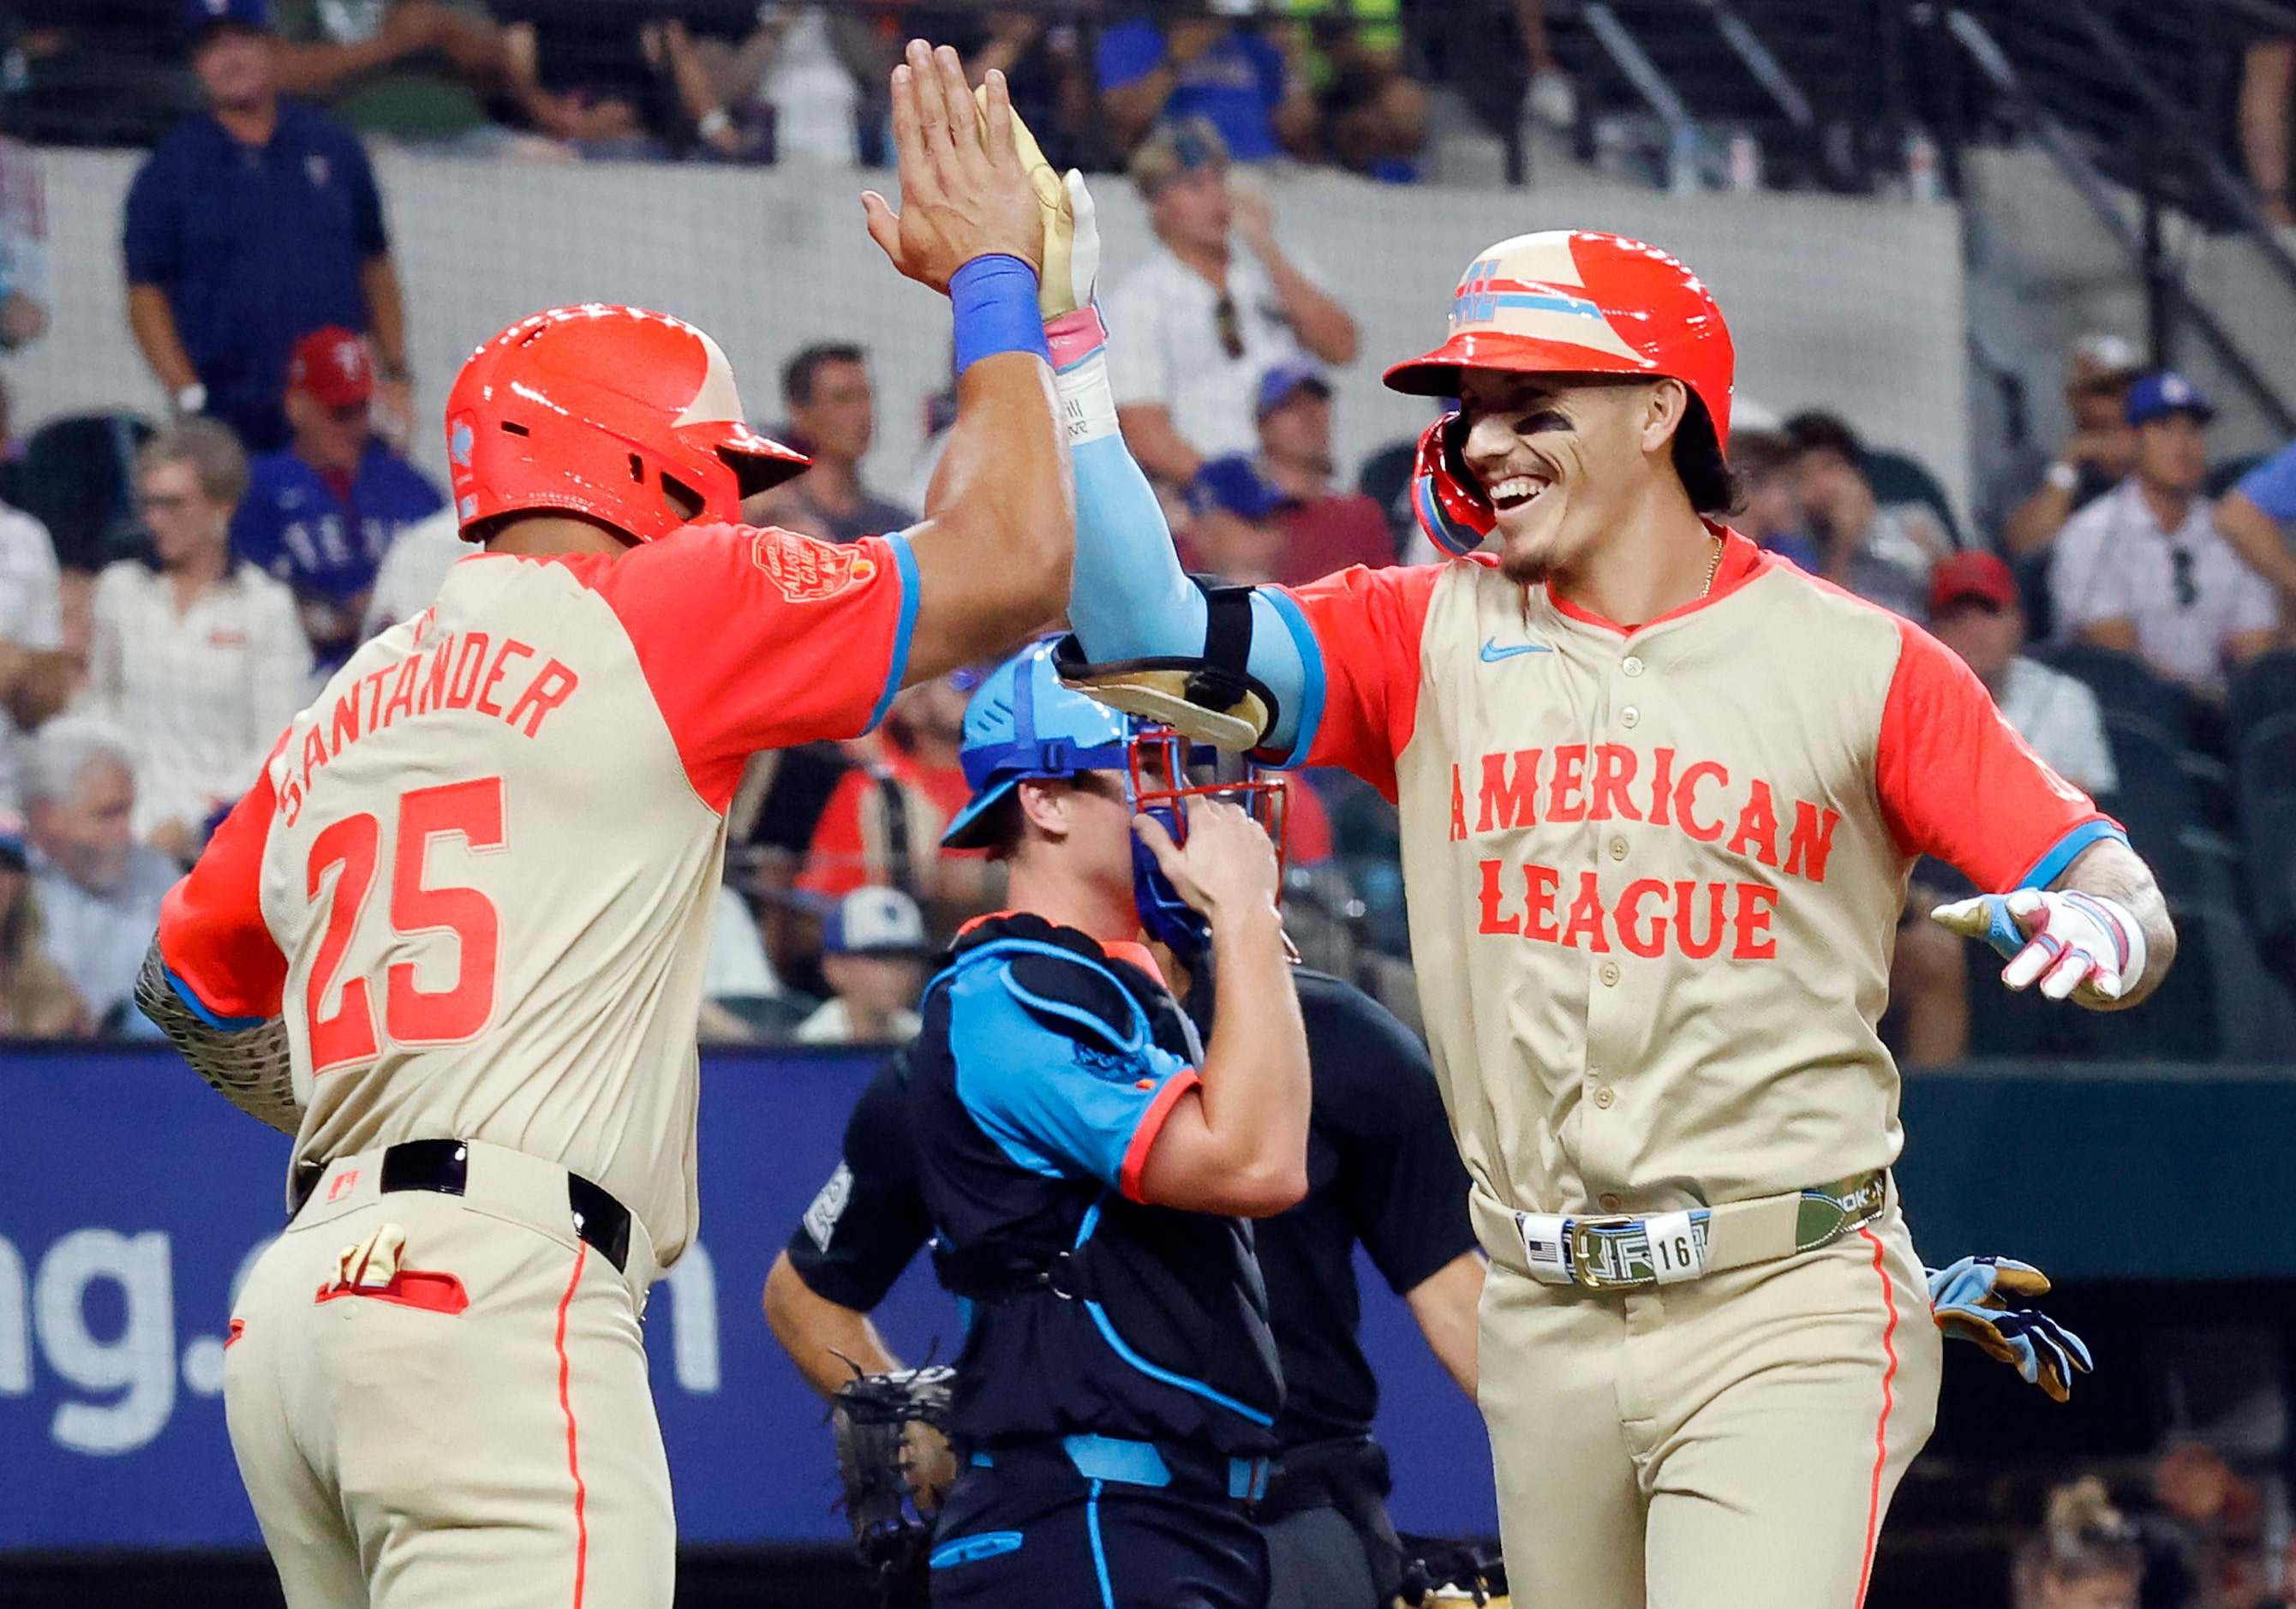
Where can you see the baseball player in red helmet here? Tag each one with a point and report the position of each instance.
(1660, 795)
(454, 939)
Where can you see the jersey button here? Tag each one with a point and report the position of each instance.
(1609, 1201)
(1630, 716)
(1618, 848)
(1604, 1097)
(1609, 972)
(1632, 665)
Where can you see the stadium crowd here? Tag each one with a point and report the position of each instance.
(2122, 598)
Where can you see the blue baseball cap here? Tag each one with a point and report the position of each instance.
(1020, 723)
(201, 15)
(1285, 381)
(2165, 392)
(1235, 483)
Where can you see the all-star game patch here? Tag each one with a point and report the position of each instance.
(806, 570)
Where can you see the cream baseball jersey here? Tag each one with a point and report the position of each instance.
(478, 872)
(1654, 876)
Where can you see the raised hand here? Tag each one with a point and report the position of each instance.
(1227, 867)
(964, 189)
(1071, 233)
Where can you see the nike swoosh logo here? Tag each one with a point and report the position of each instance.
(1493, 653)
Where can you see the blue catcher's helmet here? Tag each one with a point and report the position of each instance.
(1023, 723)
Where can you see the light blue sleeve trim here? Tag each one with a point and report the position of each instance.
(1061, 1106)
(203, 1011)
(2052, 865)
(1297, 680)
(905, 560)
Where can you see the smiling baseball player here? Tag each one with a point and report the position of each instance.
(1660, 795)
(453, 939)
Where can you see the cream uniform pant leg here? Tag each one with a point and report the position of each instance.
(504, 1455)
(1768, 1414)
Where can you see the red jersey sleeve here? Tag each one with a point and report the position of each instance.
(212, 937)
(756, 639)
(1358, 636)
(1957, 781)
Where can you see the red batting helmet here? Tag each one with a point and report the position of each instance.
(627, 416)
(1571, 302)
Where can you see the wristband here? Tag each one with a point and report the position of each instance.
(995, 299)
(1075, 336)
(1080, 343)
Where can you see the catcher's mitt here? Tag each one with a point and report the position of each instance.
(876, 1459)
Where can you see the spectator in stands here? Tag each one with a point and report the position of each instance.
(2085, 1554)
(416, 70)
(199, 657)
(247, 228)
(411, 573)
(2267, 91)
(1770, 509)
(1202, 321)
(2099, 453)
(1324, 529)
(2143, 569)
(99, 889)
(1973, 609)
(1882, 552)
(35, 673)
(883, 818)
(2257, 517)
(23, 247)
(873, 955)
(1371, 115)
(321, 513)
(1230, 76)
(743, 1000)
(832, 417)
(1236, 524)
(37, 1000)
(83, 72)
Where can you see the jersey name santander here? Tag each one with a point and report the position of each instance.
(485, 857)
(1655, 877)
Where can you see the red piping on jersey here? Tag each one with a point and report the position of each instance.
(1152, 1124)
(573, 1450)
(1742, 561)
(1881, 1430)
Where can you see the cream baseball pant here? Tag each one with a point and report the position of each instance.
(1731, 1443)
(400, 1452)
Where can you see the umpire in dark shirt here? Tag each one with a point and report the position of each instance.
(248, 228)
(1382, 1170)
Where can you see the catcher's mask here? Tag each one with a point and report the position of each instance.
(1165, 772)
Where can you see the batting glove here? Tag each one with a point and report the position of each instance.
(1971, 1300)
(1071, 249)
(2069, 942)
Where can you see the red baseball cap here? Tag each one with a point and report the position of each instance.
(333, 366)
(1971, 575)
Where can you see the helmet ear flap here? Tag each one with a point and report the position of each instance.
(1445, 495)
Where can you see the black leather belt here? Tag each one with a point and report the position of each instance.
(443, 1168)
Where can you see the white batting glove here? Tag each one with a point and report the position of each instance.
(2069, 942)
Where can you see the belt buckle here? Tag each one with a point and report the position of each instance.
(1600, 1258)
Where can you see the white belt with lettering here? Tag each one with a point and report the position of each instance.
(1628, 1253)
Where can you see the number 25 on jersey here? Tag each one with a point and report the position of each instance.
(411, 1015)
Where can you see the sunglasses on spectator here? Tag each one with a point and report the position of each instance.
(166, 505)
(1230, 327)
(2188, 590)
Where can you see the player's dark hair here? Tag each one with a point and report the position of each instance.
(1698, 459)
(798, 373)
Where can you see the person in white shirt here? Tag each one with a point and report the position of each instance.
(200, 658)
(408, 579)
(1973, 610)
(99, 889)
(873, 955)
(2144, 569)
(35, 671)
(1202, 321)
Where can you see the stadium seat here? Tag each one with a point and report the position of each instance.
(2156, 801)
(2266, 686)
(1897, 478)
(77, 478)
(2264, 765)
(2124, 684)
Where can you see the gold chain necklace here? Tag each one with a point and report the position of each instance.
(1713, 569)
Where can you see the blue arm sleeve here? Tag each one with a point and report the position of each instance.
(1057, 1104)
(1129, 599)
